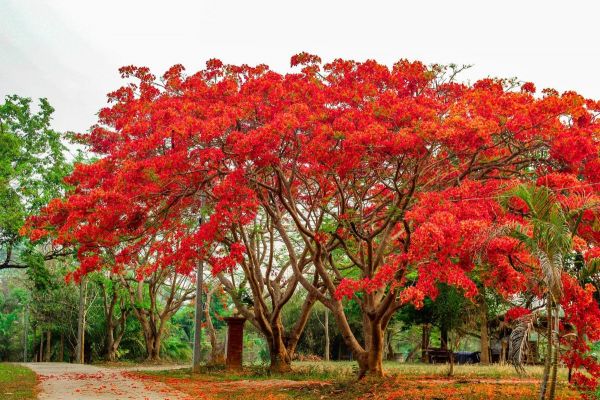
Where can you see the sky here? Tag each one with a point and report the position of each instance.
(70, 51)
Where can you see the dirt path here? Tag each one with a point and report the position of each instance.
(61, 381)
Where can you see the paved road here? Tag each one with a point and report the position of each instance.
(61, 381)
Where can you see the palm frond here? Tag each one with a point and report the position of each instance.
(551, 267)
(519, 341)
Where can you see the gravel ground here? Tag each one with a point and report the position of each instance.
(62, 381)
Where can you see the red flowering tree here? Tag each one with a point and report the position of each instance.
(384, 180)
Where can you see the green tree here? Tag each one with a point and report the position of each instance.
(32, 168)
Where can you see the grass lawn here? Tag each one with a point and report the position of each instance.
(337, 380)
(16, 382)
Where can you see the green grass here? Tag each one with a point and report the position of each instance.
(426, 381)
(342, 370)
(17, 382)
(336, 369)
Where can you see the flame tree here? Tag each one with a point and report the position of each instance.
(384, 180)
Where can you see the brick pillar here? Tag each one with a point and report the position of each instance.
(235, 342)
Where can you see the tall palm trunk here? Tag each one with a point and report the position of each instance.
(548, 357)
(555, 355)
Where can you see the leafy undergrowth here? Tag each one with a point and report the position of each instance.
(337, 381)
(17, 382)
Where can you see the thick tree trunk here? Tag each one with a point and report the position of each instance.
(371, 361)
(153, 341)
(153, 351)
(48, 346)
(547, 360)
(485, 340)
(369, 357)
(281, 359)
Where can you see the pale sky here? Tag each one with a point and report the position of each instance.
(69, 51)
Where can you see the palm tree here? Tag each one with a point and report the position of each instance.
(549, 237)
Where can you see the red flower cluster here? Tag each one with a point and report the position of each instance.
(393, 173)
(515, 313)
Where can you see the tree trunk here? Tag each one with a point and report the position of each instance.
(555, 355)
(485, 340)
(33, 343)
(61, 349)
(371, 361)
(41, 353)
(25, 328)
(197, 354)
(453, 346)
(153, 351)
(115, 327)
(217, 350)
(48, 346)
(444, 337)
(153, 338)
(152, 344)
(391, 355)
(111, 351)
(547, 360)
(425, 335)
(281, 360)
(292, 338)
(154, 317)
(358, 352)
(81, 324)
(112, 345)
(451, 368)
(326, 326)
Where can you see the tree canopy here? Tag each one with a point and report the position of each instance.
(32, 168)
(378, 182)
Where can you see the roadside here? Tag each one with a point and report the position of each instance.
(60, 381)
(17, 382)
(316, 381)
